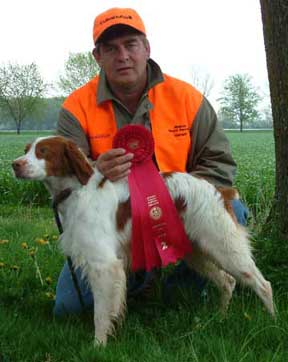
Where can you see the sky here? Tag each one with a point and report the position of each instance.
(218, 38)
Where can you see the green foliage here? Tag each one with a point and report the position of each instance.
(79, 69)
(255, 179)
(189, 329)
(254, 154)
(239, 100)
(21, 89)
(44, 118)
(151, 333)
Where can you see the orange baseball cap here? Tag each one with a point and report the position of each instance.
(116, 16)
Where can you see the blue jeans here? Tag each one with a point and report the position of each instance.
(67, 300)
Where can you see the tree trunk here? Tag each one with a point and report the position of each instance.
(241, 122)
(18, 127)
(275, 29)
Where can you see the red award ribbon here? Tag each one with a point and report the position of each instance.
(158, 235)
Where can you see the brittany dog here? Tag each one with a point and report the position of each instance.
(96, 219)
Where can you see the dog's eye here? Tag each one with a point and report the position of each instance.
(43, 150)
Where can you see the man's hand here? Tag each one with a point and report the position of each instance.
(114, 164)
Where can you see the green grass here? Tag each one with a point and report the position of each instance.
(188, 329)
(150, 334)
(255, 178)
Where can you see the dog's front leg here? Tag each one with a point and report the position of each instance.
(108, 284)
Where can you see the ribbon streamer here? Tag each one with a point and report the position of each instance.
(158, 234)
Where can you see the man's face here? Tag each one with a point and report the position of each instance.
(124, 60)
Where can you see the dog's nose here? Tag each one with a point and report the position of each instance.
(16, 165)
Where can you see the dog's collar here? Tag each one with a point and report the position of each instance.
(60, 197)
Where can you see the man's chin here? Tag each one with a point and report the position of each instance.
(126, 83)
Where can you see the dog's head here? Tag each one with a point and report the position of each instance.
(52, 156)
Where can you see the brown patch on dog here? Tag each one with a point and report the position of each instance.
(63, 158)
(102, 183)
(167, 174)
(123, 214)
(125, 254)
(180, 204)
(228, 194)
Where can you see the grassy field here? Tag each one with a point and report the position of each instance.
(188, 329)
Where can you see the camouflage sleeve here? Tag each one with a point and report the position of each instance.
(210, 155)
(69, 127)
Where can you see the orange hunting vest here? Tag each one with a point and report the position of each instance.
(175, 105)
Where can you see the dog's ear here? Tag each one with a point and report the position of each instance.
(78, 163)
(27, 148)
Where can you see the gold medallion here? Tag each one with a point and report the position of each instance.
(155, 213)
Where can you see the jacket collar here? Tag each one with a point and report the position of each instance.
(104, 93)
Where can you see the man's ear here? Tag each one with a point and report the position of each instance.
(148, 50)
(97, 56)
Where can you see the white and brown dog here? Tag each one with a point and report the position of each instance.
(96, 219)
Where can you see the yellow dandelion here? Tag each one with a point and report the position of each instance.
(42, 241)
(50, 295)
(4, 242)
(48, 280)
(55, 237)
(32, 252)
(2, 264)
(14, 267)
(24, 245)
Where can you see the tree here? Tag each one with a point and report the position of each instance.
(79, 69)
(203, 81)
(225, 121)
(275, 29)
(21, 89)
(239, 100)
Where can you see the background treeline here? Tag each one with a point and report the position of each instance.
(26, 104)
(46, 119)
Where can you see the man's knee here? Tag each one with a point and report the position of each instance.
(67, 298)
(240, 211)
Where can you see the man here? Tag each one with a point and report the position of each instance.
(131, 88)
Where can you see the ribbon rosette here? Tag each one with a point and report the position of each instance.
(158, 235)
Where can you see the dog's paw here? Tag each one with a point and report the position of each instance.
(100, 341)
